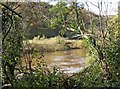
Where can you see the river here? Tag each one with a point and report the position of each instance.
(70, 61)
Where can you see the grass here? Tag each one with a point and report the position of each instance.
(55, 44)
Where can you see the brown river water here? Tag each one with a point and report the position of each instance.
(70, 61)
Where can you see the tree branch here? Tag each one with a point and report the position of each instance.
(11, 10)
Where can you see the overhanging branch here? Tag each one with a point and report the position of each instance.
(11, 10)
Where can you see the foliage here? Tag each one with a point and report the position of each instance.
(35, 18)
(60, 13)
(41, 78)
(67, 17)
(11, 44)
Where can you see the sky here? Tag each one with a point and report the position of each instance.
(109, 7)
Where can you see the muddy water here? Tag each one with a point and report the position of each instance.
(70, 61)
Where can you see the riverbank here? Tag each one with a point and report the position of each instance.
(55, 44)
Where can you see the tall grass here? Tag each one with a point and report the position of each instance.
(55, 44)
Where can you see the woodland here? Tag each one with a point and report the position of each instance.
(32, 27)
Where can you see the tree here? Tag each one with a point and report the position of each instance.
(68, 17)
(11, 41)
(102, 39)
(35, 18)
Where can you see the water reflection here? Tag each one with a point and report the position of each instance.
(70, 61)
